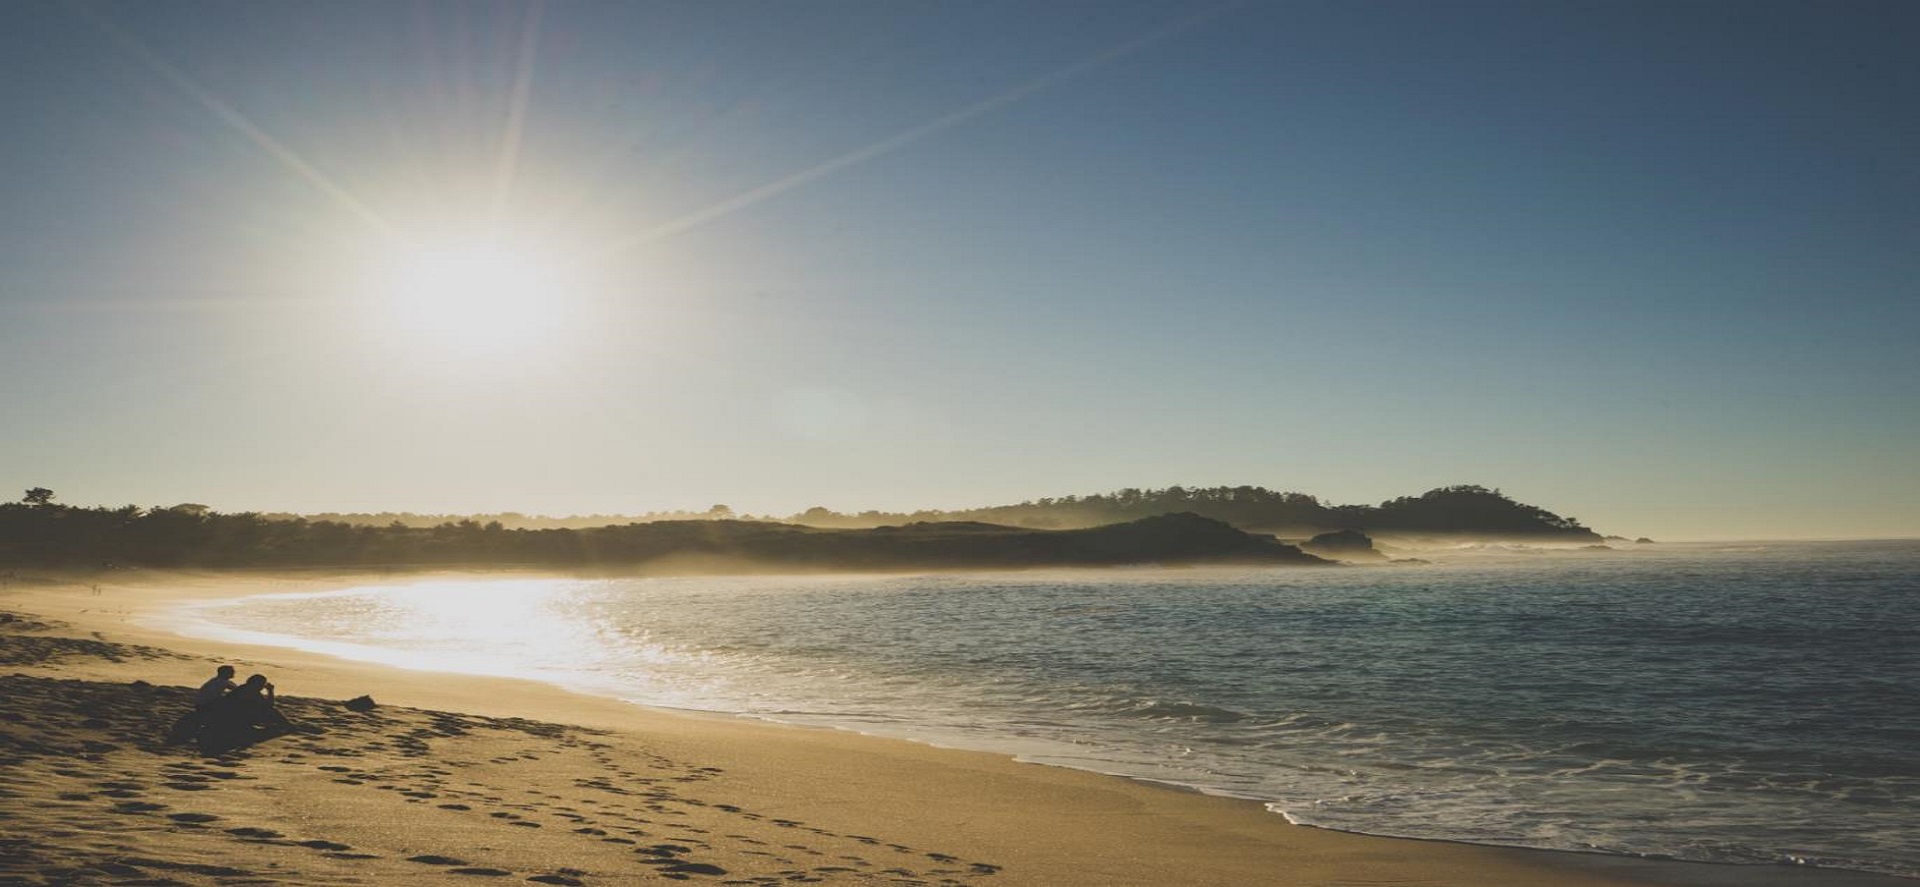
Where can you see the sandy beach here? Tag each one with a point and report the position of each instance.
(457, 779)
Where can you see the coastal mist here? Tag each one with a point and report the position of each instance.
(1749, 704)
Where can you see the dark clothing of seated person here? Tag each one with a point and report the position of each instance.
(250, 704)
(215, 689)
(207, 703)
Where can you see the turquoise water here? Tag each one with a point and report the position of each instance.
(1749, 703)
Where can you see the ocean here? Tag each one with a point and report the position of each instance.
(1750, 703)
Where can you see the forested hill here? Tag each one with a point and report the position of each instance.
(48, 535)
(1175, 525)
(1471, 511)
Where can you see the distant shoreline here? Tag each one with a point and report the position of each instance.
(1172, 526)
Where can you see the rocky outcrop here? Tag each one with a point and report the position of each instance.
(1343, 545)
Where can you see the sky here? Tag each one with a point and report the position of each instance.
(1655, 266)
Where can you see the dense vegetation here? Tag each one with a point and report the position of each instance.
(1130, 526)
(44, 534)
(1467, 510)
(1460, 510)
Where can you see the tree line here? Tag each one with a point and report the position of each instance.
(1456, 509)
(1464, 509)
(37, 530)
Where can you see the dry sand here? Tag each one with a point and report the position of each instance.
(461, 779)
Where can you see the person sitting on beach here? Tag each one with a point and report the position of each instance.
(251, 703)
(206, 702)
(215, 689)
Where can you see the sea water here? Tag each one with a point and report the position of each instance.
(1751, 703)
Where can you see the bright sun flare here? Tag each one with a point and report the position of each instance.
(482, 296)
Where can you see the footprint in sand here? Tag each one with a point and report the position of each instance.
(137, 807)
(432, 859)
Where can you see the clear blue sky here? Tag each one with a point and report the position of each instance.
(1653, 265)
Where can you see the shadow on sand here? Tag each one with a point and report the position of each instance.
(217, 741)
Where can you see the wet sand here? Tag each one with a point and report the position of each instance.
(462, 779)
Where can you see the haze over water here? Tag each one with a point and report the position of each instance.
(1723, 703)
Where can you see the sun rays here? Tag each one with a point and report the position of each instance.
(518, 101)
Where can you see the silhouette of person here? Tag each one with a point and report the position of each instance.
(216, 688)
(206, 705)
(252, 703)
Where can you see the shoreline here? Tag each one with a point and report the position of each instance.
(1030, 823)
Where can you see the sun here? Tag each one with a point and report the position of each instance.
(480, 295)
